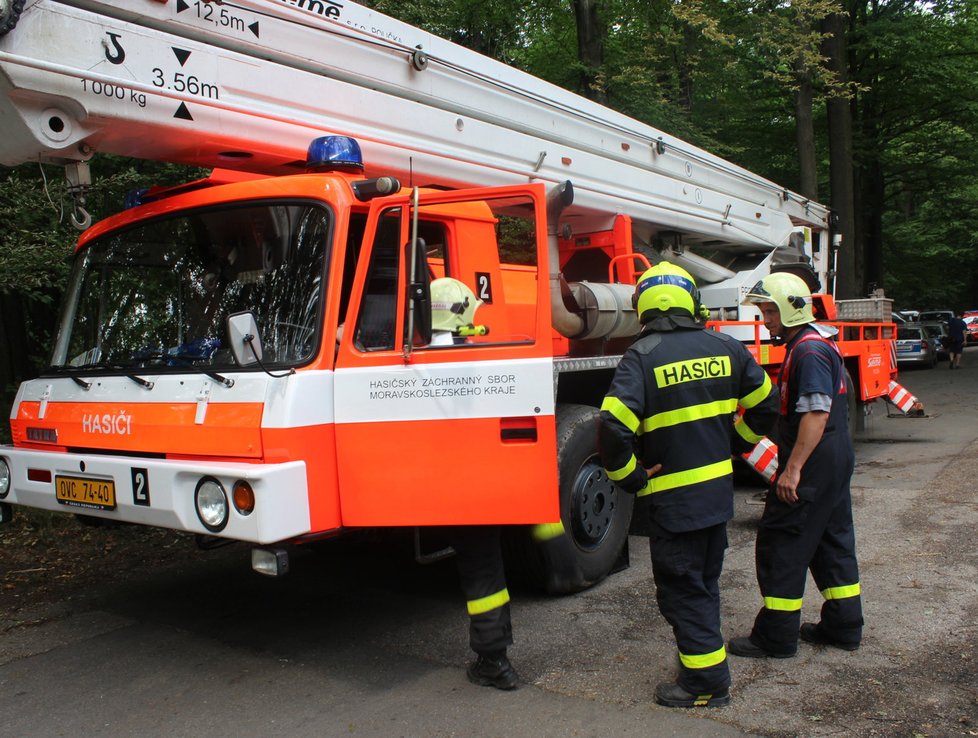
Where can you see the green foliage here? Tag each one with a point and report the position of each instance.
(918, 124)
(34, 249)
(37, 243)
(720, 74)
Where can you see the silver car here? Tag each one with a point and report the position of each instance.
(914, 346)
(938, 333)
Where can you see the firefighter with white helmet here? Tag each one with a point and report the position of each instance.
(453, 306)
(478, 548)
(669, 427)
(789, 293)
(807, 520)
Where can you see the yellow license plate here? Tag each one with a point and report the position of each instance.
(95, 494)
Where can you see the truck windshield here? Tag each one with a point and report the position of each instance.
(158, 294)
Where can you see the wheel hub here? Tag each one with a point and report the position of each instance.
(594, 502)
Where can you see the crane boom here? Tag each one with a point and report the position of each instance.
(248, 84)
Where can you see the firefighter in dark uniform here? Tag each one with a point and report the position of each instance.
(478, 548)
(669, 426)
(807, 519)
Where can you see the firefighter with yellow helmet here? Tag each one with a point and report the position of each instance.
(807, 520)
(478, 548)
(669, 426)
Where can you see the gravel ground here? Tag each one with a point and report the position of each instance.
(916, 674)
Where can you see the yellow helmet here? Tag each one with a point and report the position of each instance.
(453, 304)
(664, 287)
(789, 292)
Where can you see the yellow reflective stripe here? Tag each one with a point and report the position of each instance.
(646, 490)
(485, 604)
(547, 531)
(621, 412)
(688, 414)
(703, 661)
(616, 475)
(745, 432)
(691, 476)
(780, 603)
(757, 395)
(841, 593)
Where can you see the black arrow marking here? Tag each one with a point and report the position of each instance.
(181, 6)
(183, 113)
(254, 29)
(181, 54)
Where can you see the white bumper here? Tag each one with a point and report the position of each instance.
(281, 494)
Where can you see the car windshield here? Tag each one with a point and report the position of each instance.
(908, 334)
(158, 294)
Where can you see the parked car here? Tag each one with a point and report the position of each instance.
(971, 329)
(939, 335)
(914, 346)
(935, 316)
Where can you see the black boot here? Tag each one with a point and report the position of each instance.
(747, 648)
(493, 671)
(813, 633)
(670, 694)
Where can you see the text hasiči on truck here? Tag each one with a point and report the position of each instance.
(248, 357)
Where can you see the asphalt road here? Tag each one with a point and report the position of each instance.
(376, 646)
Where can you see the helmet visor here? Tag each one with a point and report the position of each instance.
(758, 293)
(671, 279)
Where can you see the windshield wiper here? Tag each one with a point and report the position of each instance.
(110, 365)
(219, 378)
(81, 382)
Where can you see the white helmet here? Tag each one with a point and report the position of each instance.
(453, 305)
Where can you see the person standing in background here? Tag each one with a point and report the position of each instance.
(955, 335)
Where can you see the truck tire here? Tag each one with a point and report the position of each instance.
(853, 402)
(596, 515)
(10, 11)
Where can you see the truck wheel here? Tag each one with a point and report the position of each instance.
(10, 11)
(853, 402)
(596, 515)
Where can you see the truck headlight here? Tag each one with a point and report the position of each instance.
(4, 478)
(211, 502)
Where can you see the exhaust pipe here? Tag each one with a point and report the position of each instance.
(564, 321)
(604, 310)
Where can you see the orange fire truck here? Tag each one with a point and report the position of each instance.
(249, 356)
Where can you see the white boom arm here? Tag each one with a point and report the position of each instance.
(248, 84)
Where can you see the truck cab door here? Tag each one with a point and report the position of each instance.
(462, 432)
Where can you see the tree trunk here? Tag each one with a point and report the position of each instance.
(14, 362)
(805, 135)
(839, 114)
(873, 207)
(590, 48)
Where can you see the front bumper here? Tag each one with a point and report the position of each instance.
(163, 496)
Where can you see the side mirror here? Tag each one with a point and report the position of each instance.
(419, 294)
(243, 338)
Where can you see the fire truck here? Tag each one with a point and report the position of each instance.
(248, 356)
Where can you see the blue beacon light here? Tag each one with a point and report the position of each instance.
(334, 153)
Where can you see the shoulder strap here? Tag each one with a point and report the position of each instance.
(784, 374)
